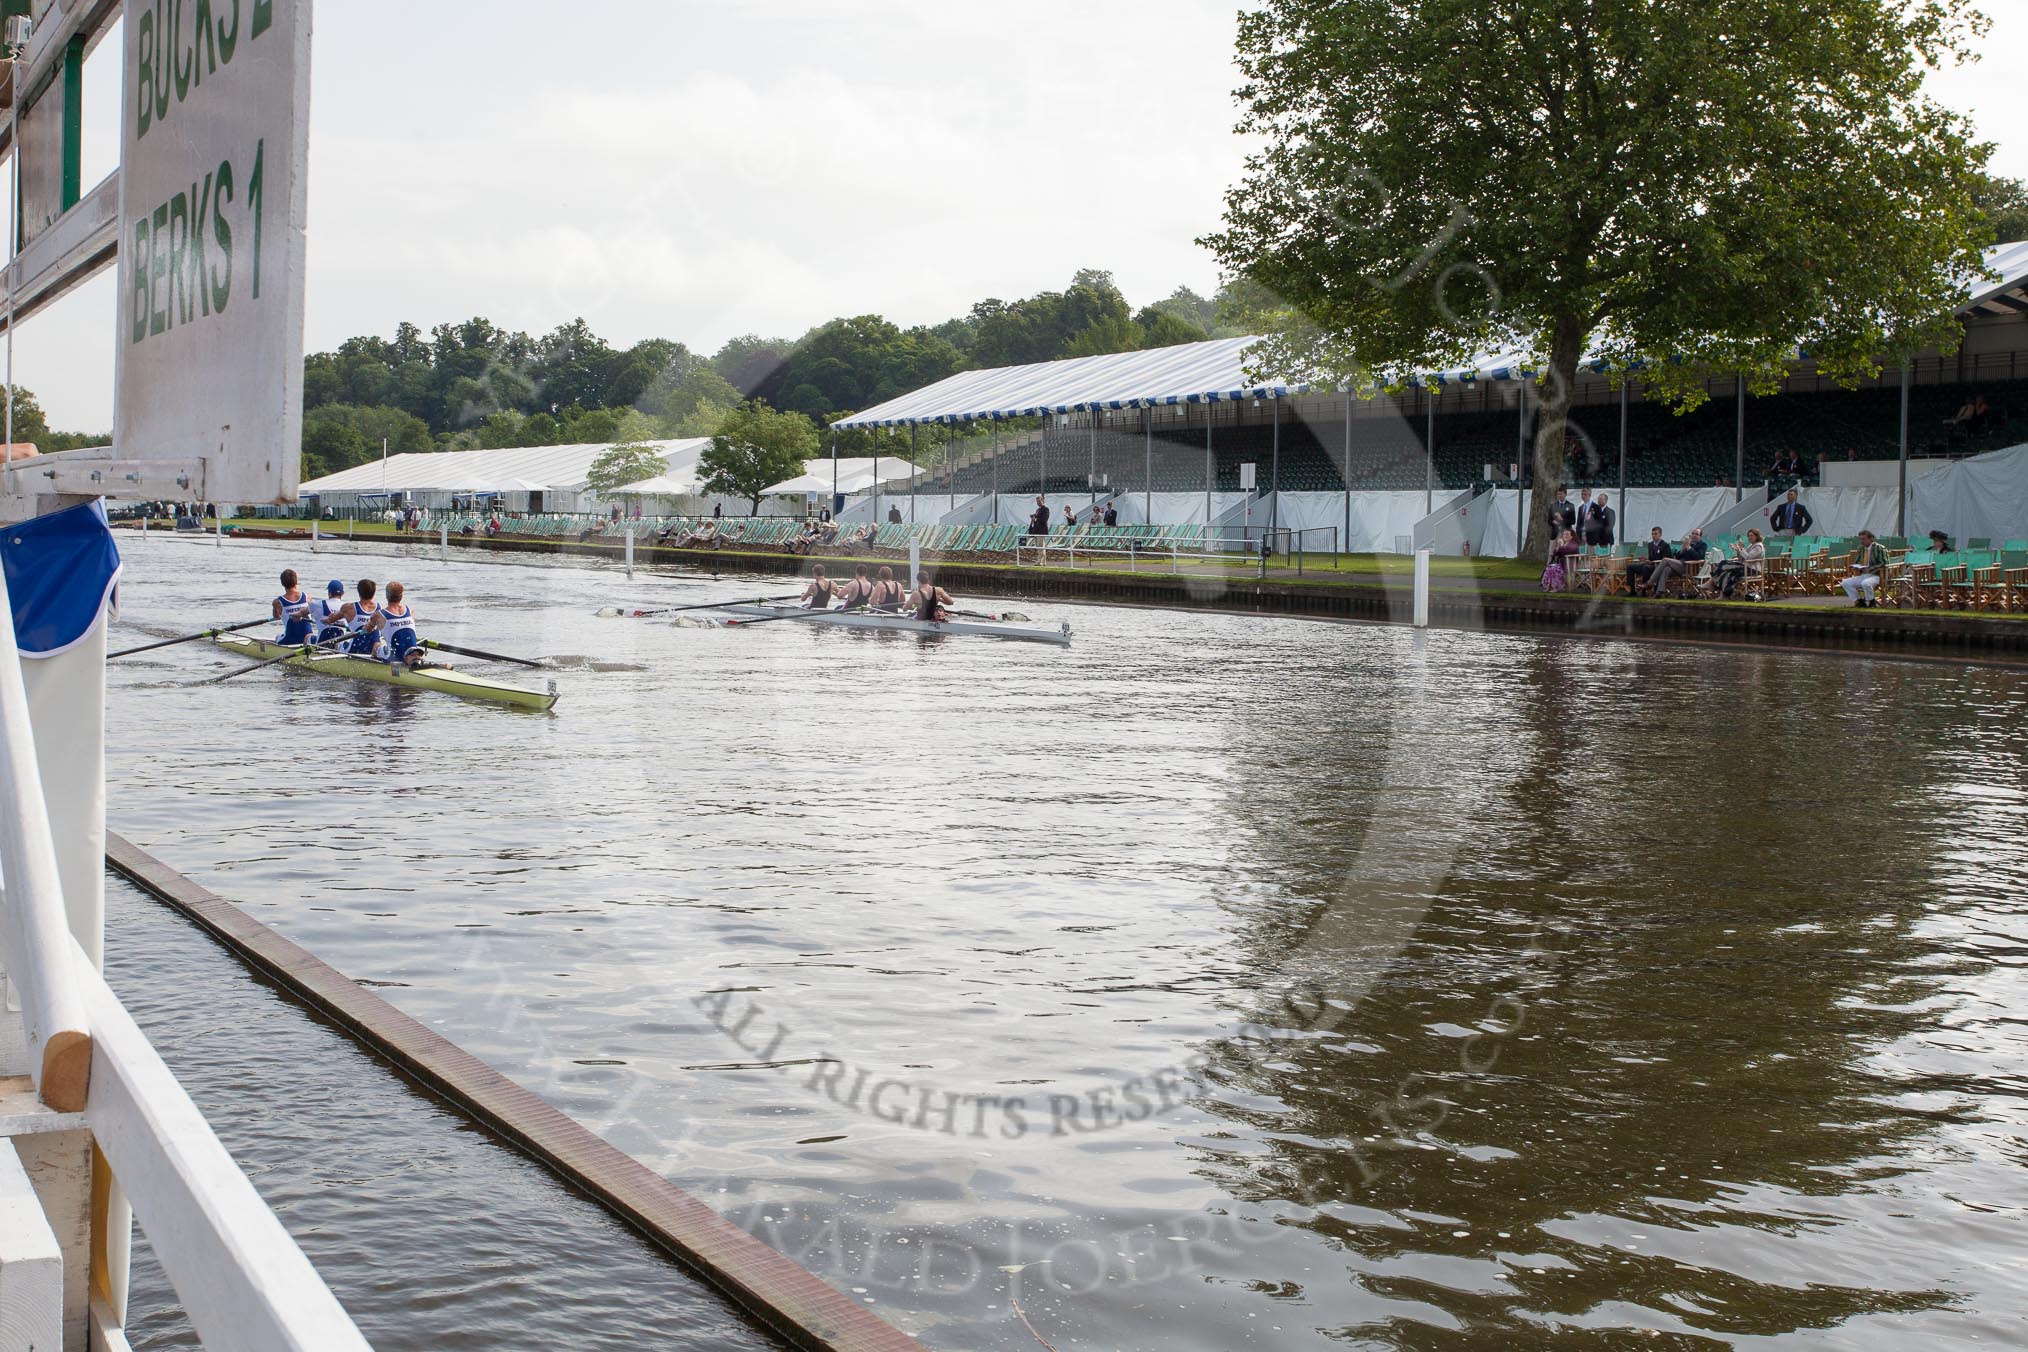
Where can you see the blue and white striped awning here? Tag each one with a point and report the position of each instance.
(1215, 371)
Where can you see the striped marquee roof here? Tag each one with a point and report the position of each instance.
(1214, 371)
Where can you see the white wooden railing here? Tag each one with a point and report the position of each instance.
(240, 1278)
(35, 937)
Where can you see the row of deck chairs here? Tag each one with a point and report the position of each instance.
(1977, 577)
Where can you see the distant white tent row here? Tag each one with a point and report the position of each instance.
(553, 478)
(1215, 371)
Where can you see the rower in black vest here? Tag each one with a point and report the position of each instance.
(930, 599)
(817, 596)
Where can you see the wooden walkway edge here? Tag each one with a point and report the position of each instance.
(789, 1299)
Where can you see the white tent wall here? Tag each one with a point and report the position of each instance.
(1455, 528)
(1985, 496)
(1380, 520)
(1833, 511)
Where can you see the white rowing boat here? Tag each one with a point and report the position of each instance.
(372, 669)
(907, 624)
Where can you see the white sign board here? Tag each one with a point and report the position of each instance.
(214, 144)
(1246, 477)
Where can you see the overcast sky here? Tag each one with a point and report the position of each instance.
(696, 169)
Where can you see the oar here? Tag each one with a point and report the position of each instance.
(303, 651)
(785, 615)
(1010, 616)
(475, 652)
(205, 633)
(612, 612)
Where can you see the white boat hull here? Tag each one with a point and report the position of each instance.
(907, 624)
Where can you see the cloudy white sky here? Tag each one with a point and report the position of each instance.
(696, 169)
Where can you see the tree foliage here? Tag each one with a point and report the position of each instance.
(1703, 186)
(2005, 202)
(627, 463)
(473, 384)
(757, 446)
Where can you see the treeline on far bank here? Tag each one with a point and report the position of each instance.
(473, 384)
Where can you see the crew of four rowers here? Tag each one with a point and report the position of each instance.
(362, 628)
(880, 593)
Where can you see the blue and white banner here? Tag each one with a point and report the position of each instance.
(61, 570)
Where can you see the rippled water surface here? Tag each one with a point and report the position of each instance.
(1217, 983)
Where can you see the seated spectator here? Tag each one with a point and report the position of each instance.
(1749, 562)
(827, 534)
(1869, 565)
(1786, 469)
(705, 534)
(1790, 517)
(804, 540)
(1680, 563)
(1966, 412)
(1640, 570)
(1556, 576)
(1940, 542)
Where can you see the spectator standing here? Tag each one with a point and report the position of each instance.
(1598, 522)
(1562, 514)
(1790, 517)
(1112, 514)
(1038, 520)
(894, 516)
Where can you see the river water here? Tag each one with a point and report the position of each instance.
(1219, 982)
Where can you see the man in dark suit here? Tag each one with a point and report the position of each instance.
(1786, 469)
(1598, 522)
(1562, 514)
(1640, 570)
(1688, 557)
(1790, 517)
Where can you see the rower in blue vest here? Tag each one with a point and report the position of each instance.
(327, 612)
(400, 645)
(293, 609)
(358, 619)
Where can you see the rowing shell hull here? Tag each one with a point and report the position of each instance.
(370, 669)
(854, 619)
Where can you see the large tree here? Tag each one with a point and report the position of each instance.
(757, 446)
(1699, 186)
(627, 463)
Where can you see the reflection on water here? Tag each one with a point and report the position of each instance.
(1216, 983)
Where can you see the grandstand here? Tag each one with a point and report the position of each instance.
(1184, 419)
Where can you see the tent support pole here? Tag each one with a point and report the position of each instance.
(915, 460)
(1428, 452)
(1091, 472)
(1521, 473)
(1901, 476)
(1275, 467)
(1348, 470)
(1625, 395)
(1148, 462)
(998, 439)
(1207, 467)
(1739, 438)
